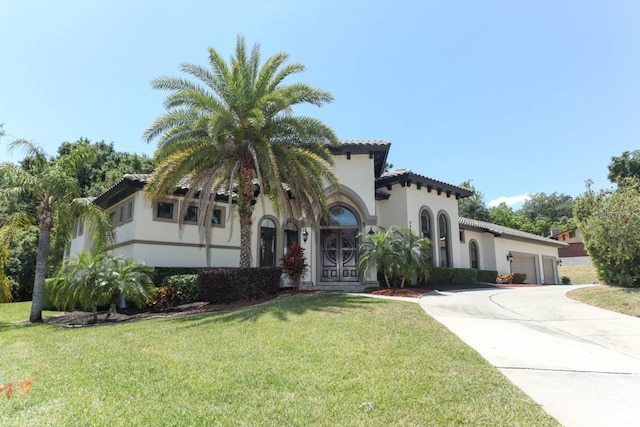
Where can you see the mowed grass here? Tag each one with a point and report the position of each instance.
(622, 300)
(303, 360)
(579, 274)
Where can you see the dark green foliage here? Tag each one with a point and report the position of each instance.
(108, 168)
(225, 285)
(473, 207)
(161, 273)
(610, 225)
(452, 276)
(21, 266)
(519, 277)
(185, 285)
(487, 276)
(626, 165)
(566, 280)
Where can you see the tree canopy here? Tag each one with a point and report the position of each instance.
(233, 129)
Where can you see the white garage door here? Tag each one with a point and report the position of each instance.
(525, 264)
(548, 265)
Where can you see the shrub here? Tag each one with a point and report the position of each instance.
(294, 263)
(161, 273)
(163, 298)
(185, 285)
(519, 277)
(225, 285)
(505, 278)
(487, 276)
(452, 276)
(566, 280)
(610, 225)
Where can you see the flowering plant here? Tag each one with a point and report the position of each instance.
(294, 263)
(504, 278)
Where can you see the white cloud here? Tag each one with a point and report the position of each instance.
(510, 201)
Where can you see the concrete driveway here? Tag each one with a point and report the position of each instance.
(581, 363)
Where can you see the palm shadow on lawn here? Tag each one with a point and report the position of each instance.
(282, 308)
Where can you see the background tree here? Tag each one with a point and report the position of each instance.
(56, 192)
(545, 211)
(626, 165)
(473, 207)
(235, 129)
(610, 225)
(107, 168)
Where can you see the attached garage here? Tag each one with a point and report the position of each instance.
(549, 268)
(525, 263)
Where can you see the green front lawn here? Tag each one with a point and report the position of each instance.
(614, 298)
(314, 359)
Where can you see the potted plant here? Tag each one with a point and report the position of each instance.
(294, 264)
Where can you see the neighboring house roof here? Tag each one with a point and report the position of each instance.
(407, 177)
(506, 232)
(376, 149)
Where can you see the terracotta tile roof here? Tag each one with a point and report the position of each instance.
(408, 177)
(500, 231)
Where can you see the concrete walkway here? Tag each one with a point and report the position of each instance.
(581, 363)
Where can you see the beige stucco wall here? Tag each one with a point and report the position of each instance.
(505, 246)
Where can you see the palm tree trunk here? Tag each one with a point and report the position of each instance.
(41, 273)
(245, 212)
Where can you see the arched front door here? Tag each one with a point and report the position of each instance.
(338, 240)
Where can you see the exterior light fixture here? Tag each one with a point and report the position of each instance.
(371, 232)
(305, 235)
(509, 257)
(559, 262)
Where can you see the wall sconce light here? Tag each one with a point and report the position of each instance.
(509, 257)
(371, 232)
(305, 235)
(559, 262)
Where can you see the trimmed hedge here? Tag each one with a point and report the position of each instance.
(161, 273)
(487, 276)
(185, 285)
(519, 277)
(452, 276)
(225, 285)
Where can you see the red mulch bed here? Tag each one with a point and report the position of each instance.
(400, 292)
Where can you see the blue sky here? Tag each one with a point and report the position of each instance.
(519, 96)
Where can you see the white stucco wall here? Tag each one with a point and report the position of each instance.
(357, 174)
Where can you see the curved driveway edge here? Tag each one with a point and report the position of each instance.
(581, 363)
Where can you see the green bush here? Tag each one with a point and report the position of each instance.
(487, 276)
(519, 277)
(566, 280)
(225, 285)
(161, 273)
(452, 276)
(610, 225)
(185, 285)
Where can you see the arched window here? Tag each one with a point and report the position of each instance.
(425, 224)
(473, 254)
(267, 243)
(341, 216)
(443, 241)
(291, 235)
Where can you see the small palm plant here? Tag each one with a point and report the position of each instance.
(397, 253)
(96, 279)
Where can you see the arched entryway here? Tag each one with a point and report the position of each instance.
(338, 245)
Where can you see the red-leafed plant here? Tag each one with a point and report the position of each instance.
(294, 263)
(22, 388)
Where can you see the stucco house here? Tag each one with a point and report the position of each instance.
(367, 198)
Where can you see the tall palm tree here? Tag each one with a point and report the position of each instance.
(52, 185)
(235, 131)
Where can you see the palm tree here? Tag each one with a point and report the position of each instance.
(95, 279)
(397, 253)
(235, 131)
(52, 185)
